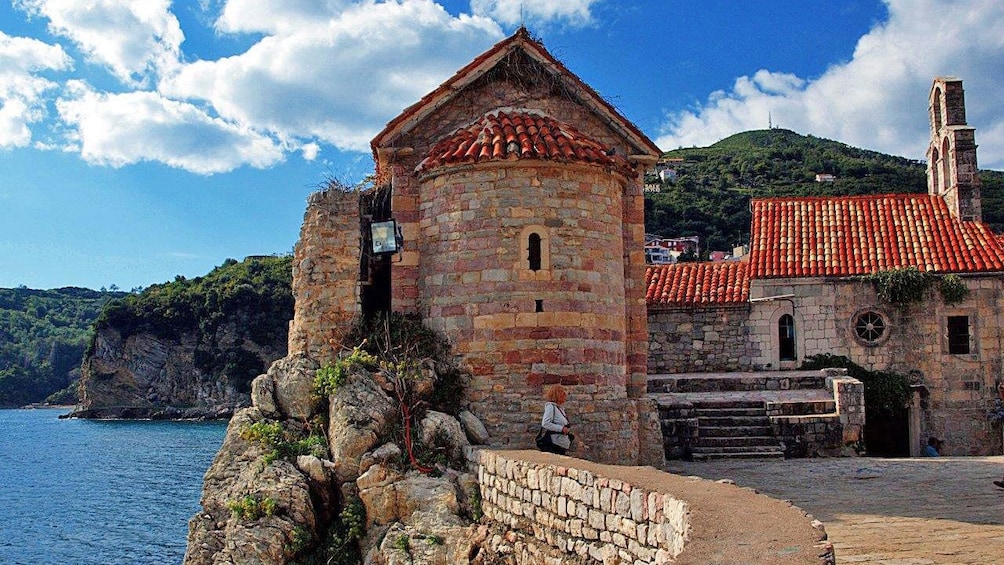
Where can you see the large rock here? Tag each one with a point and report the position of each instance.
(287, 390)
(439, 429)
(359, 414)
(430, 543)
(475, 430)
(390, 497)
(216, 535)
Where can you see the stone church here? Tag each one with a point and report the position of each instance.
(508, 212)
(799, 291)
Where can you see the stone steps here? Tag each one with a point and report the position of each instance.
(719, 429)
(764, 414)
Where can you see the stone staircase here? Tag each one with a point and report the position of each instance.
(725, 429)
(743, 415)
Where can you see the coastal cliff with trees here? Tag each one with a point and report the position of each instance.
(43, 336)
(188, 348)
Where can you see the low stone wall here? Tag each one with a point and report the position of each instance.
(807, 433)
(579, 512)
(541, 508)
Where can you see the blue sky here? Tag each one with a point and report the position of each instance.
(144, 139)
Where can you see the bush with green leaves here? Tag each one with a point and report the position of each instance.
(401, 343)
(331, 376)
(340, 543)
(300, 539)
(886, 393)
(901, 286)
(280, 443)
(252, 506)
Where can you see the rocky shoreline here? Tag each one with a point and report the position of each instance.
(200, 413)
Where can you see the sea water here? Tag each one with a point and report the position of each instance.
(81, 492)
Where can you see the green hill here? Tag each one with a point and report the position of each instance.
(43, 335)
(710, 196)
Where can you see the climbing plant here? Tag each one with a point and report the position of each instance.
(953, 289)
(900, 286)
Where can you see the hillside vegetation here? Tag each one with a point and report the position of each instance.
(254, 296)
(711, 194)
(43, 335)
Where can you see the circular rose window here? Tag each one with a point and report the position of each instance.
(870, 327)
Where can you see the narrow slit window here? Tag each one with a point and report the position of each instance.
(533, 251)
(538, 305)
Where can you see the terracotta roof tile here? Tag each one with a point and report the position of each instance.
(689, 284)
(856, 235)
(521, 134)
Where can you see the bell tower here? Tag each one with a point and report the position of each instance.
(952, 172)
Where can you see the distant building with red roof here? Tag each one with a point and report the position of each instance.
(800, 292)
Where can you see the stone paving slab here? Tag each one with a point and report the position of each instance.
(923, 511)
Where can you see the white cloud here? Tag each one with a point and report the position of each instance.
(332, 76)
(512, 12)
(861, 102)
(21, 88)
(120, 129)
(135, 39)
(276, 16)
(310, 151)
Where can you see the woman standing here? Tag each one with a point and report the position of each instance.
(554, 422)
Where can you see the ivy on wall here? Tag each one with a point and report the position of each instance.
(905, 286)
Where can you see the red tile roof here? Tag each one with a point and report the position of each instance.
(690, 284)
(834, 236)
(520, 134)
(857, 235)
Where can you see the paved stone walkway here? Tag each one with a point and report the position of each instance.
(921, 511)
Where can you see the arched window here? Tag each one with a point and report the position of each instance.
(533, 251)
(946, 166)
(937, 109)
(786, 337)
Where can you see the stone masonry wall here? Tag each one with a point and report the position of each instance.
(957, 388)
(600, 519)
(699, 340)
(325, 273)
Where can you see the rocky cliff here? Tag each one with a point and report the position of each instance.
(189, 348)
(144, 375)
(325, 467)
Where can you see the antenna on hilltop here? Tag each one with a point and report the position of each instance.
(522, 21)
(770, 122)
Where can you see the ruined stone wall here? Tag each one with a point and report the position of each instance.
(599, 518)
(697, 340)
(325, 273)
